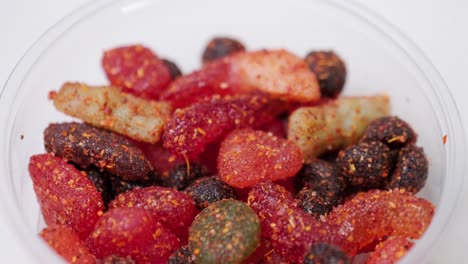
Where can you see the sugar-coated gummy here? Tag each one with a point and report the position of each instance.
(323, 253)
(390, 251)
(113, 259)
(66, 196)
(365, 164)
(176, 210)
(391, 130)
(86, 145)
(227, 231)
(248, 156)
(66, 243)
(220, 47)
(410, 171)
(132, 232)
(112, 109)
(208, 190)
(181, 256)
(191, 129)
(335, 124)
(137, 70)
(330, 71)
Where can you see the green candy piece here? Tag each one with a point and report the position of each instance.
(225, 232)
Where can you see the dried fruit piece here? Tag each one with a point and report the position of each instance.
(66, 196)
(102, 183)
(86, 145)
(220, 47)
(191, 129)
(65, 242)
(375, 214)
(278, 73)
(313, 203)
(323, 178)
(181, 256)
(365, 164)
(247, 157)
(182, 176)
(322, 253)
(173, 68)
(277, 127)
(410, 171)
(117, 260)
(390, 130)
(227, 231)
(137, 70)
(390, 251)
(330, 71)
(119, 186)
(109, 108)
(176, 210)
(334, 125)
(208, 190)
(132, 232)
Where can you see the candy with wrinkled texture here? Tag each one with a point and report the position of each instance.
(176, 210)
(208, 190)
(391, 130)
(132, 232)
(66, 196)
(247, 157)
(137, 70)
(67, 244)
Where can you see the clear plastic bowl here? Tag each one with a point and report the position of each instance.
(378, 57)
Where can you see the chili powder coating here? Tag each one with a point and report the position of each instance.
(86, 145)
(174, 70)
(365, 164)
(330, 71)
(323, 253)
(208, 190)
(176, 210)
(66, 196)
(227, 231)
(314, 204)
(220, 47)
(113, 259)
(178, 177)
(390, 130)
(119, 186)
(110, 108)
(181, 256)
(334, 125)
(411, 170)
(390, 251)
(102, 182)
(132, 232)
(323, 178)
(66, 243)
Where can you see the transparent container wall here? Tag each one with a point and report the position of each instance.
(375, 65)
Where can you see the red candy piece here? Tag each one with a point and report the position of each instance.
(66, 196)
(67, 244)
(176, 210)
(276, 127)
(192, 128)
(375, 214)
(247, 157)
(162, 160)
(390, 251)
(275, 72)
(132, 232)
(137, 70)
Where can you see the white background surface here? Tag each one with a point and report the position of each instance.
(438, 27)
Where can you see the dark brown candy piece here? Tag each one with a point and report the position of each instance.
(208, 190)
(181, 256)
(323, 253)
(330, 71)
(314, 204)
(86, 145)
(174, 70)
(365, 164)
(390, 130)
(102, 182)
(411, 170)
(221, 47)
(119, 186)
(182, 176)
(323, 178)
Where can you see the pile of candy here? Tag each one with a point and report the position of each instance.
(254, 158)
